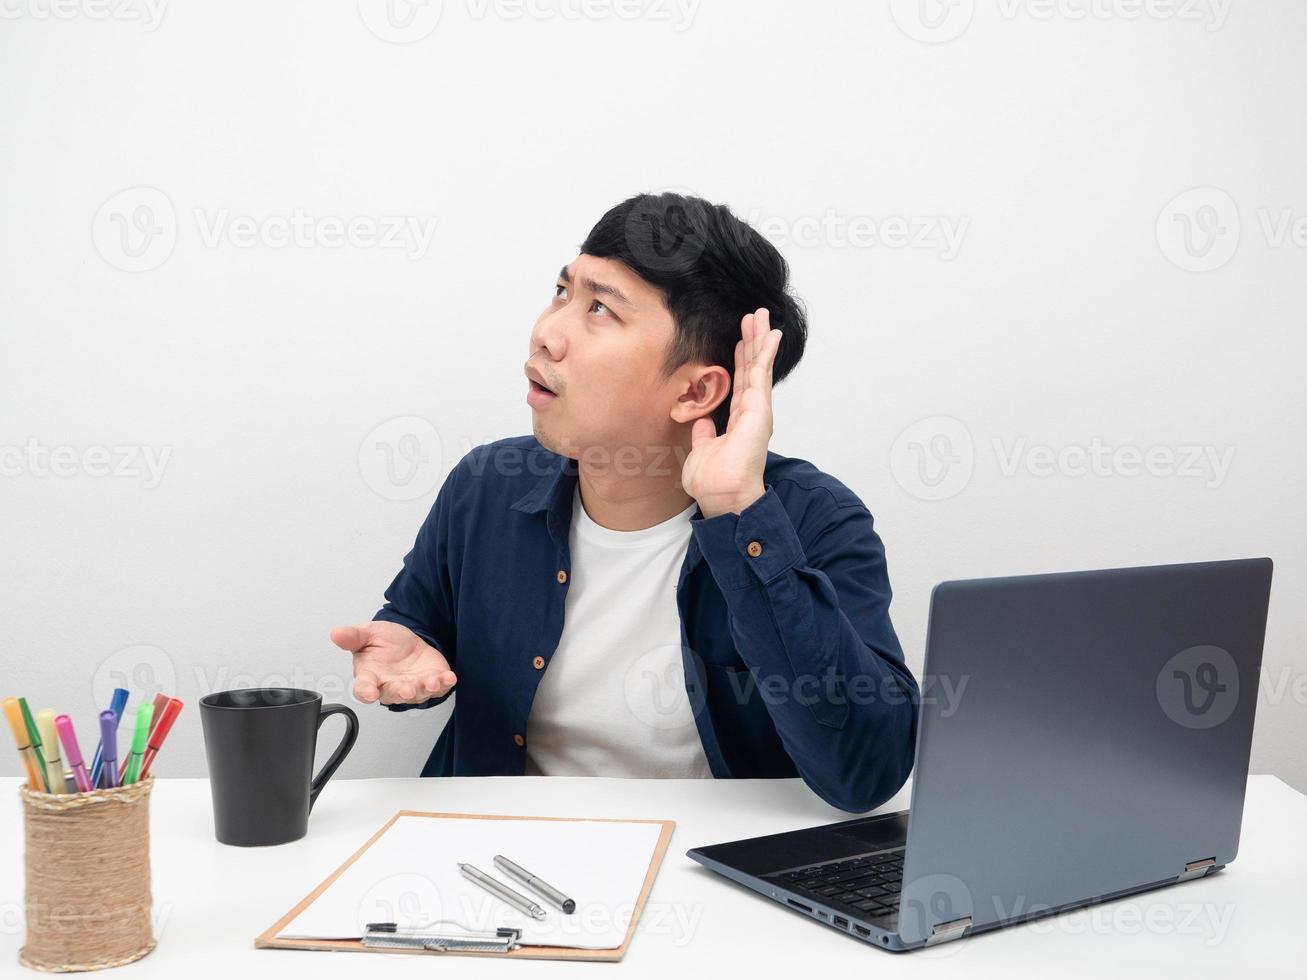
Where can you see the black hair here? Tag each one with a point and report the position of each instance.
(712, 269)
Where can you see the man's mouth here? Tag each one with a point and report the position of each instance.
(538, 396)
(538, 393)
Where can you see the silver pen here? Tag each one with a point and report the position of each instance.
(550, 893)
(502, 891)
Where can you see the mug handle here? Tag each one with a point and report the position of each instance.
(332, 764)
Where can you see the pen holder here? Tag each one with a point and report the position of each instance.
(88, 878)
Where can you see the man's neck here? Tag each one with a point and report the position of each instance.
(630, 494)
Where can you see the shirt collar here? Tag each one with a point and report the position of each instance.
(552, 496)
(553, 489)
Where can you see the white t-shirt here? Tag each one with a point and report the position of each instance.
(612, 700)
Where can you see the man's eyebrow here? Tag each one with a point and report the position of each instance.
(599, 288)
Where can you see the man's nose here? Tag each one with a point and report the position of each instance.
(550, 332)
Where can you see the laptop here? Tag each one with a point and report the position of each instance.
(1094, 745)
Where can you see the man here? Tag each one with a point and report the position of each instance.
(642, 588)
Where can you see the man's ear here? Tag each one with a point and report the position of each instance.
(701, 393)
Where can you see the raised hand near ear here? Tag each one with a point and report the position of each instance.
(724, 473)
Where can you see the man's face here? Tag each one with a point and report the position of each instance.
(599, 346)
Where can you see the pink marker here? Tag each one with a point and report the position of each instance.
(72, 754)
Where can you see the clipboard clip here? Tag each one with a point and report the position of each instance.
(389, 935)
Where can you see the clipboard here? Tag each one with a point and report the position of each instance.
(270, 938)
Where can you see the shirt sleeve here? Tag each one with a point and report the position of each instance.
(812, 624)
(421, 596)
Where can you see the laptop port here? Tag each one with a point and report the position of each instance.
(842, 922)
(799, 905)
(862, 931)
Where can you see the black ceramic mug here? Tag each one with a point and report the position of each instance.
(260, 744)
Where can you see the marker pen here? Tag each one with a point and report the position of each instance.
(109, 749)
(54, 767)
(14, 715)
(34, 739)
(159, 729)
(68, 737)
(144, 713)
(117, 704)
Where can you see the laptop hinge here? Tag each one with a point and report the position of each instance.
(945, 931)
(1196, 869)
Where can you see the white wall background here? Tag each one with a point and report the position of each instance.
(1068, 311)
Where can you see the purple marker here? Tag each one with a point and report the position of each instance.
(109, 748)
(72, 754)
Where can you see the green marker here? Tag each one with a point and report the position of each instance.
(34, 737)
(144, 715)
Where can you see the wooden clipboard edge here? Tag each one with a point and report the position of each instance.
(268, 938)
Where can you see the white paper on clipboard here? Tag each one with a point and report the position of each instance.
(410, 876)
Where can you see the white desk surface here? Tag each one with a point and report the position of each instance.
(212, 900)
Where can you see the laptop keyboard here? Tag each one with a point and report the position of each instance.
(868, 884)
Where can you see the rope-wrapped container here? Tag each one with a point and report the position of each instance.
(87, 858)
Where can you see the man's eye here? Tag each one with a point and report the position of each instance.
(560, 291)
(601, 306)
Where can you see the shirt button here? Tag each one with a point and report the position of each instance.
(562, 576)
(754, 549)
(519, 741)
(538, 663)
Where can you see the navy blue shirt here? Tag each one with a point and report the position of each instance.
(792, 666)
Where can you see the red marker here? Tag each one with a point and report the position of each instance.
(158, 733)
(160, 702)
